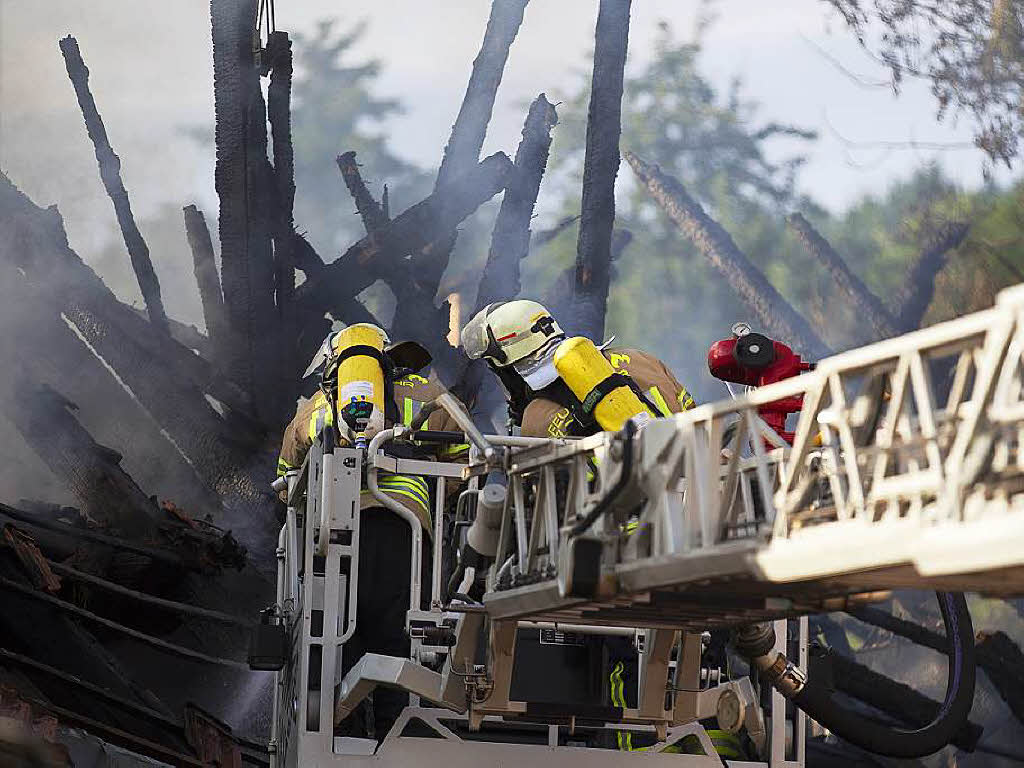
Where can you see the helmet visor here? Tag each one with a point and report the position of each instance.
(538, 370)
(478, 339)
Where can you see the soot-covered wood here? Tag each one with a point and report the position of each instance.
(110, 173)
(773, 312)
(868, 306)
(600, 167)
(510, 240)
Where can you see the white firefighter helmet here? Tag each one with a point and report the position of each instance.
(521, 334)
(327, 351)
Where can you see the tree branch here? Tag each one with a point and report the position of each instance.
(110, 173)
(867, 305)
(600, 167)
(773, 312)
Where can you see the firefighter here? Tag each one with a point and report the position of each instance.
(559, 387)
(348, 401)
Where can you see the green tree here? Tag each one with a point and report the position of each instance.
(335, 110)
(665, 297)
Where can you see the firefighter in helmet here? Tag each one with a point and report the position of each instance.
(367, 384)
(558, 387)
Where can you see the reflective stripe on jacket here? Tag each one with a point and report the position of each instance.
(411, 394)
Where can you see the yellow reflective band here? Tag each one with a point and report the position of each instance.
(410, 485)
(623, 738)
(412, 481)
(421, 490)
(659, 401)
(407, 494)
(407, 414)
(727, 744)
(320, 418)
(451, 450)
(685, 400)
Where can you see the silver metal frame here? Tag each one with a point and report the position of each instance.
(886, 485)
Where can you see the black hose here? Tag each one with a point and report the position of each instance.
(620, 485)
(816, 700)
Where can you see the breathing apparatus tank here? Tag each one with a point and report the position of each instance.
(360, 383)
(602, 390)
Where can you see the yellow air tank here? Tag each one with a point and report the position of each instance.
(361, 380)
(582, 367)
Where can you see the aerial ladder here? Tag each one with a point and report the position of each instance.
(904, 470)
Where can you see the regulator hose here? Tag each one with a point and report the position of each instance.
(814, 697)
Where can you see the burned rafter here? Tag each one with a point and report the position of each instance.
(997, 654)
(559, 297)
(510, 240)
(600, 167)
(545, 236)
(417, 230)
(868, 306)
(93, 473)
(370, 211)
(775, 315)
(207, 279)
(914, 297)
(462, 151)
(110, 173)
(415, 314)
(246, 190)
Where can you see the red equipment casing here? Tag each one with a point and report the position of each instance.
(723, 365)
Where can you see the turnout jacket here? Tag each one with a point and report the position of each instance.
(545, 417)
(411, 393)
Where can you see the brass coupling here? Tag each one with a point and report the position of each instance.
(782, 674)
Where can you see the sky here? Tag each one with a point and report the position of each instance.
(151, 74)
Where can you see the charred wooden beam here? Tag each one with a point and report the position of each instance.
(372, 213)
(416, 317)
(545, 236)
(282, 382)
(306, 257)
(997, 654)
(897, 700)
(510, 240)
(559, 298)
(185, 334)
(37, 522)
(919, 288)
(413, 231)
(1003, 662)
(772, 311)
(207, 279)
(245, 188)
(462, 151)
(164, 378)
(110, 173)
(868, 306)
(92, 472)
(279, 94)
(600, 167)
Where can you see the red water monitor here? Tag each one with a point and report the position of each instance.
(755, 360)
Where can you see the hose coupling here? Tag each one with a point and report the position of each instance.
(782, 674)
